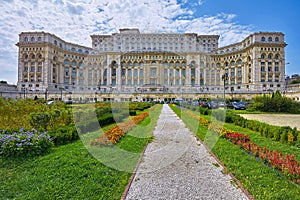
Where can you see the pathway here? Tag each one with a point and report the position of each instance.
(176, 166)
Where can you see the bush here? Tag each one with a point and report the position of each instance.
(274, 103)
(24, 143)
(63, 134)
(276, 133)
(204, 111)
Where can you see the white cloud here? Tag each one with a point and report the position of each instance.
(75, 20)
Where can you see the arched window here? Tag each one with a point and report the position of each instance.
(26, 39)
(55, 42)
(193, 63)
(270, 39)
(32, 39)
(39, 39)
(276, 56)
(153, 63)
(32, 56)
(270, 56)
(262, 56)
(277, 39)
(263, 39)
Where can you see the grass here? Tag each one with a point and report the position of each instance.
(266, 142)
(260, 180)
(72, 171)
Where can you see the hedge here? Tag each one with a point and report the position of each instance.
(284, 134)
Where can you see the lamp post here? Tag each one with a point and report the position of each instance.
(24, 92)
(224, 78)
(46, 91)
(61, 90)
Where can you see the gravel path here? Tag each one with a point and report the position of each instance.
(291, 120)
(176, 166)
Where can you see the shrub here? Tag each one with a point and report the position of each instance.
(204, 111)
(283, 134)
(274, 103)
(24, 143)
(63, 134)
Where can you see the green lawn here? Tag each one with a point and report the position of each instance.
(260, 180)
(73, 171)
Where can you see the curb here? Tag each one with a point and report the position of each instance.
(133, 173)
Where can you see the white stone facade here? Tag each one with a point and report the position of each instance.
(134, 62)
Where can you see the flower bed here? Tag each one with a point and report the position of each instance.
(287, 164)
(24, 143)
(284, 163)
(113, 135)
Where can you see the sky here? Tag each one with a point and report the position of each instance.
(75, 20)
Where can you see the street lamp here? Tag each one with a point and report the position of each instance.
(24, 92)
(61, 91)
(224, 78)
(46, 91)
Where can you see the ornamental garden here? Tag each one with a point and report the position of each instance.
(45, 149)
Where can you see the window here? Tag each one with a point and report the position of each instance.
(39, 39)
(129, 73)
(26, 39)
(165, 72)
(183, 72)
(270, 39)
(262, 56)
(153, 72)
(193, 82)
(135, 73)
(141, 72)
(277, 39)
(192, 72)
(32, 39)
(269, 56)
(263, 39)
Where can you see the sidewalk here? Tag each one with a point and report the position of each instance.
(176, 166)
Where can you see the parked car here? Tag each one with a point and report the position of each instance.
(222, 104)
(195, 103)
(50, 103)
(244, 103)
(212, 105)
(203, 104)
(236, 106)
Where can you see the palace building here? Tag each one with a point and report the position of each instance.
(135, 66)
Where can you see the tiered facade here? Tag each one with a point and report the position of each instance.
(130, 65)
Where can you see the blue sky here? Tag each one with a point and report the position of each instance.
(75, 20)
